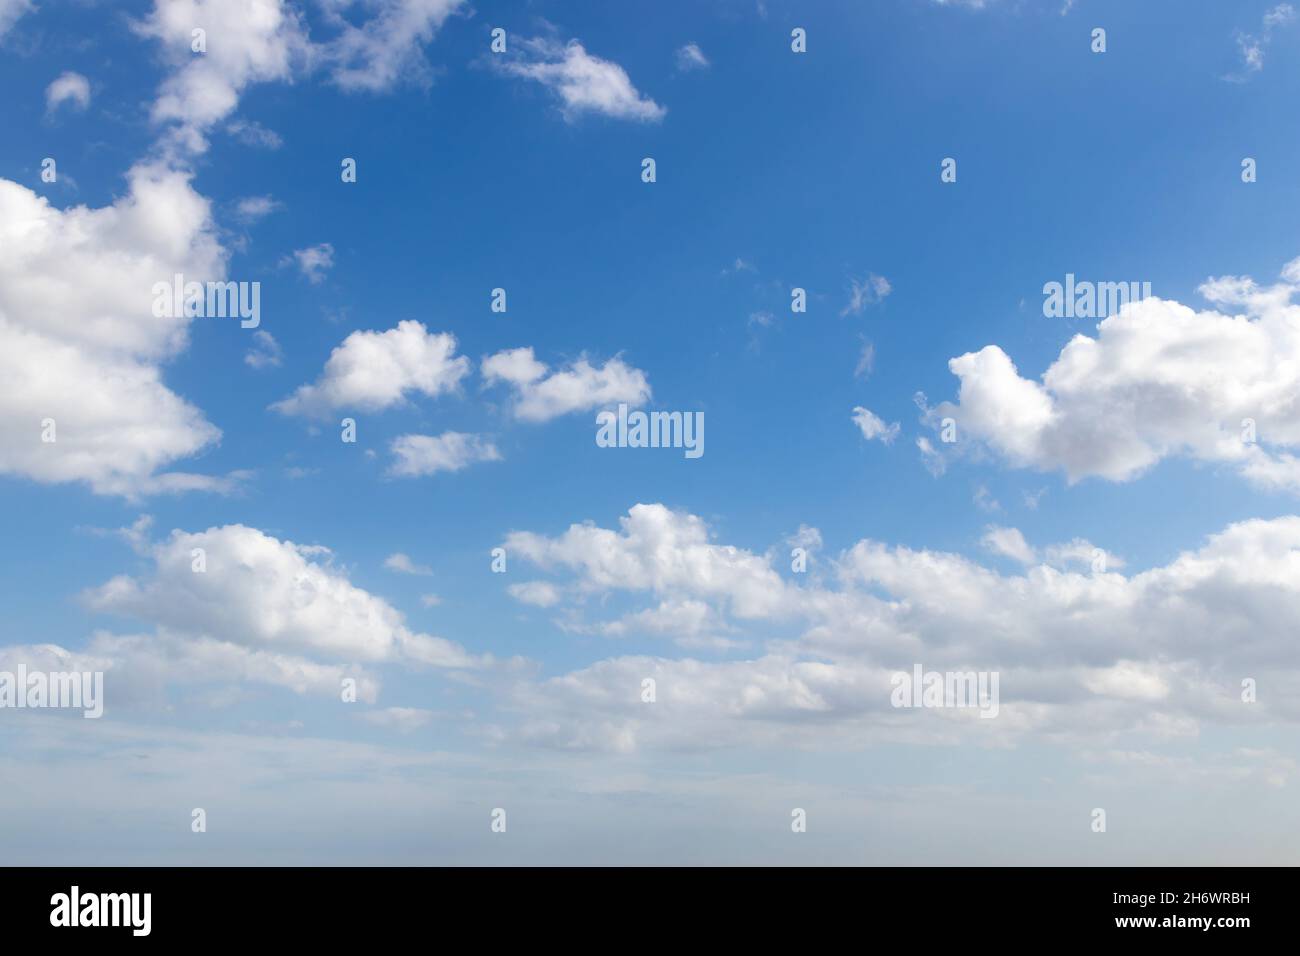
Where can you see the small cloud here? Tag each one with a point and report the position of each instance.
(254, 134)
(869, 291)
(536, 593)
(265, 352)
(1009, 543)
(402, 564)
(691, 57)
(584, 83)
(873, 427)
(254, 208)
(313, 262)
(1252, 46)
(985, 501)
(420, 455)
(70, 88)
(933, 461)
(866, 361)
(740, 265)
(430, 600)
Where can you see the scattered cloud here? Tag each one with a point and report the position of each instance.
(371, 371)
(873, 427)
(71, 88)
(541, 394)
(583, 82)
(420, 455)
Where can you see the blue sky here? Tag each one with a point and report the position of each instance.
(774, 170)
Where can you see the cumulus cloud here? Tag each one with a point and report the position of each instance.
(248, 41)
(583, 82)
(418, 455)
(371, 371)
(262, 594)
(80, 344)
(1158, 381)
(541, 394)
(1079, 653)
(70, 88)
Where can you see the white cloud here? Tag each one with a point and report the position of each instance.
(1252, 46)
(71, 88)
(873, 427)
(376, 370)
(691, 57)
(662, 551)
(265, 352)
(263, 594)
(1158, 381)
(251, 209)
(1009, 543)
(78, 340)
(248, 41)
(541, 395)
(1080, 655)
(418, 455)
(402, 564)
(583, 82)
(313, 262)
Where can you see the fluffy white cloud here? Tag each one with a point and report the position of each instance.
(541, 395)
(659, 550)
(79, 342)
(1079, 654)
(263, 594)
(376, 370)
(418, 455)
(69, 87)
(583, 82)
(248, 41)
(1159, 380)
(872, 426)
